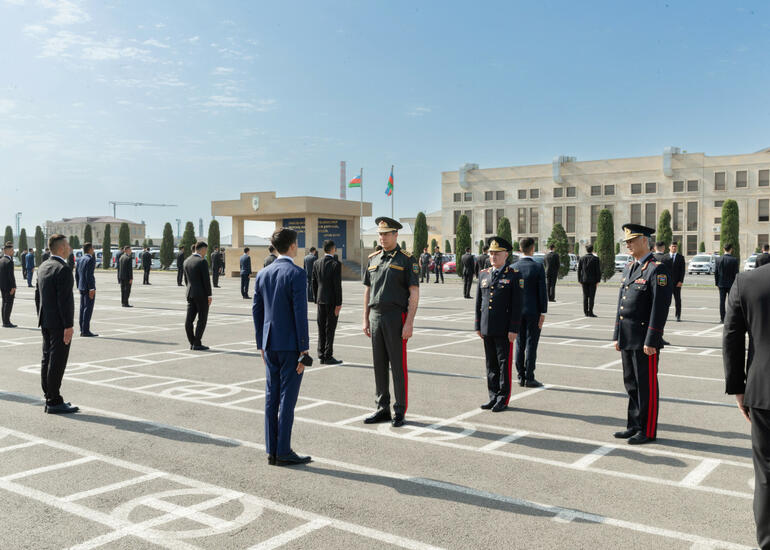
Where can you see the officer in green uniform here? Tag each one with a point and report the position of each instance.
(392, 280)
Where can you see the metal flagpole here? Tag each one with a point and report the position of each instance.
(360, 223)
(392, 194)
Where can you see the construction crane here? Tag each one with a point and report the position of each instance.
(116, 203)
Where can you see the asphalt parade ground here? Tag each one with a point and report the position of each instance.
(168, 448)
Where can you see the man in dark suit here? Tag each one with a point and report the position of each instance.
(45, 256)
(326, 286)
(764, 257)
(71, 260)
(724, 275)
(661, 256)
(271, 257)
(29, 259)
(245, 266)
(198, 295)
(589, 273)
(216, 266)
(7, 284)
(86, 283)
(180, 266)
(678, 269)
(125, 275)
(56, 314)
(534, 308)
(748, 378)
(424, 261)
(469, 266)
(551, 272)
(146, 265)
(280, 321)
(483, 262)
(22, 257)
(309, 260)
(438, 264)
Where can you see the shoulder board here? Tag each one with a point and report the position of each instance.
(404, 252)
(658, 263)
(373, 254)
(485, 270)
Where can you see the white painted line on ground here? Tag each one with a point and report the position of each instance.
(504, 440)
(311, 406)
(610, 364)
(44, 469)
(708, 330)
(700, 472)
(585, 461)
(18, 446)
(444, 344)
(112, 487)
(346, 421)
(291, 535)
(244, 399)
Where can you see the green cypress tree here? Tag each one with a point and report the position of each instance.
(106, 247)
(124, 236)
(504, 229)
(76, 241)
(561, 246)
(374, 243)
(604, 240)
(22, 241)
(617, 248)
(730, 228)
(188, 239)
(403, 246)
(88, 236)
(71, 240)
(577, 248)
(664, 228)
(447, 247)
(39, 245)
(463, 232)
(167, 247)
(702, 247)
(516, 247)
(8, 234)
(433, 245)
(212, 239)
(481, 246)
(420, 234)
(149, 242)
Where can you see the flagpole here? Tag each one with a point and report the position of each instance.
(392, 194)
(360, 223)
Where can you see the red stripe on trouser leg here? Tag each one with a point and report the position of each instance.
(654, 395)
(510, 362)
(403, 364)
(649, 394)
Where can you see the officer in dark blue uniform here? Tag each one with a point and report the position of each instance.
(534, 305)
(643, 302)
(498, 310)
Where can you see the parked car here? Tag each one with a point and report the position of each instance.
(446, 257)
(450, 267)
(620, 261)
(573, 261)
(702, 263)
(750, 263)
(539, 257)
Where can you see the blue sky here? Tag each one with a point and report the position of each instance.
(186, 102)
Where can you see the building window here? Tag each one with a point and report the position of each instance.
(692, 245)
(458, 197)
(489, 195)
(650, 187)
(570, 219)
(719, 181)
(534, 193)
(522, 194)
(718, 204)
(571, 192)
(557, 212)
(596, 190)
(764, 210)
(678, 187)
(762, 240)
(649, 214)
(717, 220)
(488, 215)
(677, 217)
(636, 188)
(500, 214)
(692, 216)
(534, 220)
(676, 239)
(500, 195)
(609, 189)
(692, 185)
(764, 178)
(595, 208)
(469, 215)
(522, 221)
(468, 197)
(558, 192)
(717, 237)
(636, 213)
(457, 214)
(741, 179)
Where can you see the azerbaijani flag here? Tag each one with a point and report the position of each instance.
(355, 182)
(389, 190)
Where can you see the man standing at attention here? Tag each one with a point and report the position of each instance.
(438, 265)
(146, 265)
(56, 314)
(125, 275)
(280, 322)
(551, 272)
(245, 267)
(271, 257)
(309, 260)
(216, 265)
(678, 269)
(30, 261)
(534, 307)
(391, 296)
(764, 257)
(425, 265)
(86, 283)
(469, 265)
(180, 265)
(198, 295)
(589, 273)
(22, 257)
(327, 289)
(7, 284)
(724, 275)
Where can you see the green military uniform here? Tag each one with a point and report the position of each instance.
(389, 275)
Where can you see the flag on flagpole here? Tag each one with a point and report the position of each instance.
(389, 190)
(355, 182)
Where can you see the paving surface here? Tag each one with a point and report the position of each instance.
(168, 449)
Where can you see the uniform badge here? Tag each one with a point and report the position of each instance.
(416, 269)
(662, 280)
(641, 281)
(484, 283)
(521, 283)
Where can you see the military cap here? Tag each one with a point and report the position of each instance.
(387, 225)
(498, 244)
(8, 244)
(634, 230)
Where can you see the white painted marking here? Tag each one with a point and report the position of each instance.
(504, 440)
(244, 399)
(610, 364)
(18, 446)
(700, 472)
(44, 469)
(585, 461)
(293, 534)
(444, 344)
(708, 330)
(112, 487)
(311, 406)
(347, 421)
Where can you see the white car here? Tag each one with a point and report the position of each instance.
(702, 263)
(750, 263)
(621, 260)
(573, 261)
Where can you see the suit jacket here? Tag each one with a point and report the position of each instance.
(726, 270)
(146, 260)
(270, 259)
(469, 265)
(196, 270)
(532, 283)
(309, 261)
(502, 315)
(747, 312)
(29, 261)
(665, 259)
(216, 261)
(552, 264)
(327, 281)
(279, 309)
(54, 299)
(438, 260)
(762, 259)
(589, 269)
(245, 263)
(125, 268)
(71, 261)
(678, 268)
(45, 256)
(84, 273)
(7, 277)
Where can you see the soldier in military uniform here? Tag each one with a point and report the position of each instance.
(392, 292)
(643, 302)
(498, 311)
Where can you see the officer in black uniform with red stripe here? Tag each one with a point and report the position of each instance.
(498, 311)
(643, 302)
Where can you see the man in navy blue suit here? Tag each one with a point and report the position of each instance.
(86, 283)
(245, 263)
(534, 307)
(280, 322)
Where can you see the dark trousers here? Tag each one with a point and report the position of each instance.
(55, 355)
(327, 325)
(640, 376)
(196, 307)
(467, 284)
(760, 449)
(179, 275)
(589, 293)
(425, 274)
(439, 273)
(29, 277)
(310, 296)
(723, 292)
(388, 348)
(86, 310)
(526, 346)
(146, 279)
(125, 292)
(215, 276)
(244, 285)
(499, 355)
(550, 283)
(678, 300)
(281, 392)
(7, 306)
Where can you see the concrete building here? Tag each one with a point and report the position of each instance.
(691, 186)
(76, 226)
(405, 235)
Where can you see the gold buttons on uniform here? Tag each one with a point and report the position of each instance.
(621, 307)
(621, 317)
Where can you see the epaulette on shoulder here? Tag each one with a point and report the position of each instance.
(485, 270)
(658, 263)
(373, 254)
(404, 252)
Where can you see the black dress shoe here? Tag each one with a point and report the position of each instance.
(678, 319)
(521, 382)
(63, 408)
(9, 325)
(199, 347)
(291, 459)
(592, 314)
(625, 434)
(271, 460)
(490, 404)
(331, 361)
(499, 407)
(640, 439)
(398, 420)
(127, 305)
(382, 415)
(665, 343)
(533, 384)
(88, 335)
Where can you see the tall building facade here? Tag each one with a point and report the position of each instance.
(691, 186)
(77, 226)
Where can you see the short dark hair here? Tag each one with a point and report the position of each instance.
(551, 246)
(31, 249)
(312, 248)
(146, 247)
(728, 247)
(181, 247)
(200, 244)
(271, 248)
(328, 245)
(467, 248)
(658, 244)
(589, 248)
(283, 238)
(675, 244)
(55, 240)
(8, 244)
(486, 248)
(127, 247)
(766, 247)
(87, 247)
(526, 243)
(246, 250)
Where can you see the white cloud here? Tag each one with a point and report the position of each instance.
(102, 52)
(66, 12)
(193, 39)
(153, 42)
(16, 2)
(6, 106)
(232, 102)
(160, 25)
(419, 111)
(35, 30)
(65, 44)
(222, 70)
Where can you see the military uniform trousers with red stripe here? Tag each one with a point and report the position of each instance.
(389, 350)
(499, 355)
(640, 376)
